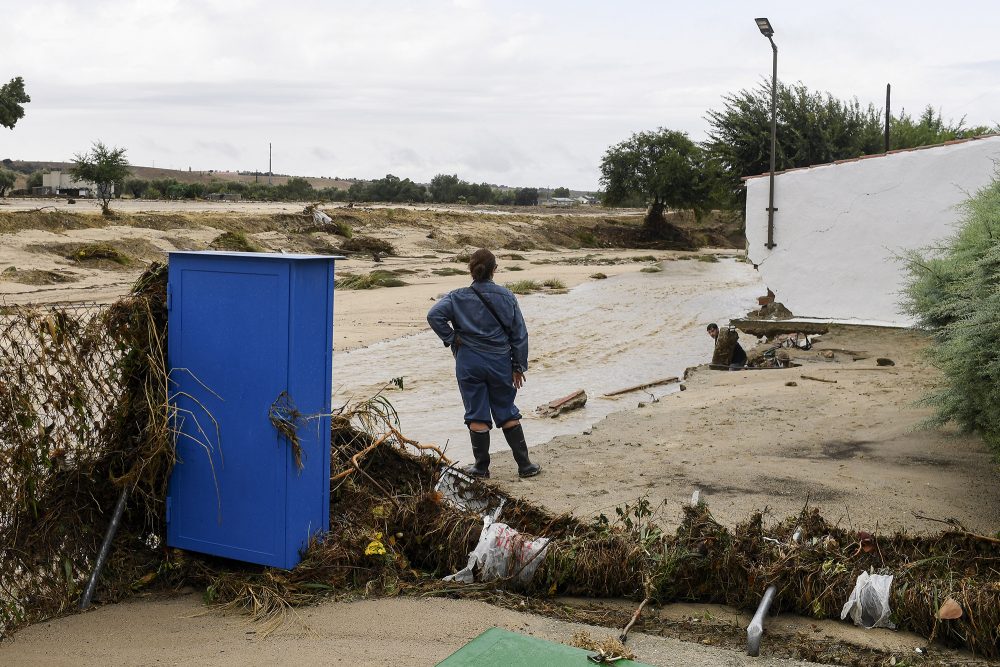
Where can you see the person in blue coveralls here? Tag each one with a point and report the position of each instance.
(483, 326)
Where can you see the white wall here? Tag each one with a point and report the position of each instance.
(840, 229)
(58, 180)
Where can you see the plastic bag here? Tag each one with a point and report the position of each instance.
(321, 218)
(502, 553)
(868, 604)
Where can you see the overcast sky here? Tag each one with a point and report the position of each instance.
(516, 93)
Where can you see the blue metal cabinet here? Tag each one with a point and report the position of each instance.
(247, 330)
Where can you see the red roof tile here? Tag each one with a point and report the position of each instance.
(875, 155)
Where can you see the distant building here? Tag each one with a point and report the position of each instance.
(586, 200)
(561, 201)
(223, 196)
(62, 183)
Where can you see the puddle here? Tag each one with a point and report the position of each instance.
(602, 336)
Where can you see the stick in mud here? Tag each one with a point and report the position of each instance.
(816, 379)
(635, 617)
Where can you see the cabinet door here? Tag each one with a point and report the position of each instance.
(228, 349)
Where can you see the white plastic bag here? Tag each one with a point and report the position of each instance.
(868, 605)
(501, 553)
(321, 218)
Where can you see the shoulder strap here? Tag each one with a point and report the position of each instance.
(492, 311)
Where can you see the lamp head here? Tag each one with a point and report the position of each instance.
(765, 27)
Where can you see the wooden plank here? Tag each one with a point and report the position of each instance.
(772, 328)
(637, 387)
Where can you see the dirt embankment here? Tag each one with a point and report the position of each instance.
(55, 255)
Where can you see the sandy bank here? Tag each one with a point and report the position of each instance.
(850, 446)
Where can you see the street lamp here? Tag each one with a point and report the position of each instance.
(768, 31)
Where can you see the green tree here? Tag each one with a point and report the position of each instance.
(928, 128)
(136, 187)
(560, 192)
(445, 188)
(34, 180)
(662, 169)
(7, 179)
(194, 190)
(104, 167)
(12, 97)
(952, 291)
(812, 128)
(393, 189)
(297, 189)
(479, 194)
(526, 197)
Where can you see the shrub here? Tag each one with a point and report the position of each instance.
(953, 293)
(554, 283)
(341, 228)
(372, 280)
(368, 244)
(235, 242)
(599, 276)
(515, 267)
(651, 269)
(448, 271)
(98, 251)
(524, 286)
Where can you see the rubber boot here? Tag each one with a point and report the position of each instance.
(515, 438)
(481, 452)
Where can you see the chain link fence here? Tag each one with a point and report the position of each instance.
(83, 415)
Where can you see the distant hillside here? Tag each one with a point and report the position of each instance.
(26, 167)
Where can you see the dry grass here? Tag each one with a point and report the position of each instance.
(90, 252)
(235, 242)
(372, 280)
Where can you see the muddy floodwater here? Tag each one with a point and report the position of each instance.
(601, 336)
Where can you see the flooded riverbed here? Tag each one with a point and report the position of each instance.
(601, 336)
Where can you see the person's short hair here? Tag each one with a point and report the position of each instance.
(711, 326)
(482, 264)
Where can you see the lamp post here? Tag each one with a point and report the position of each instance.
(768, 31)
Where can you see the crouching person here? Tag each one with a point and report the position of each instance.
(483, 326)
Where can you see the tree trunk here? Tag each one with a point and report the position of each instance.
(655, 221)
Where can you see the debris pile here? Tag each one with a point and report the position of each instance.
(395, 528)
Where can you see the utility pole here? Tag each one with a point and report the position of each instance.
(888, 87)
(269, 163)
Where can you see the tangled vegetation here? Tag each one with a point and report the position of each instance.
(953, 292)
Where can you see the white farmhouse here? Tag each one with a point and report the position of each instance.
(62, 183)
(841, 229)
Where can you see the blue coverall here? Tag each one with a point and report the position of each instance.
(486, 357)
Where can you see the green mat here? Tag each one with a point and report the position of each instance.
(501, 648)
